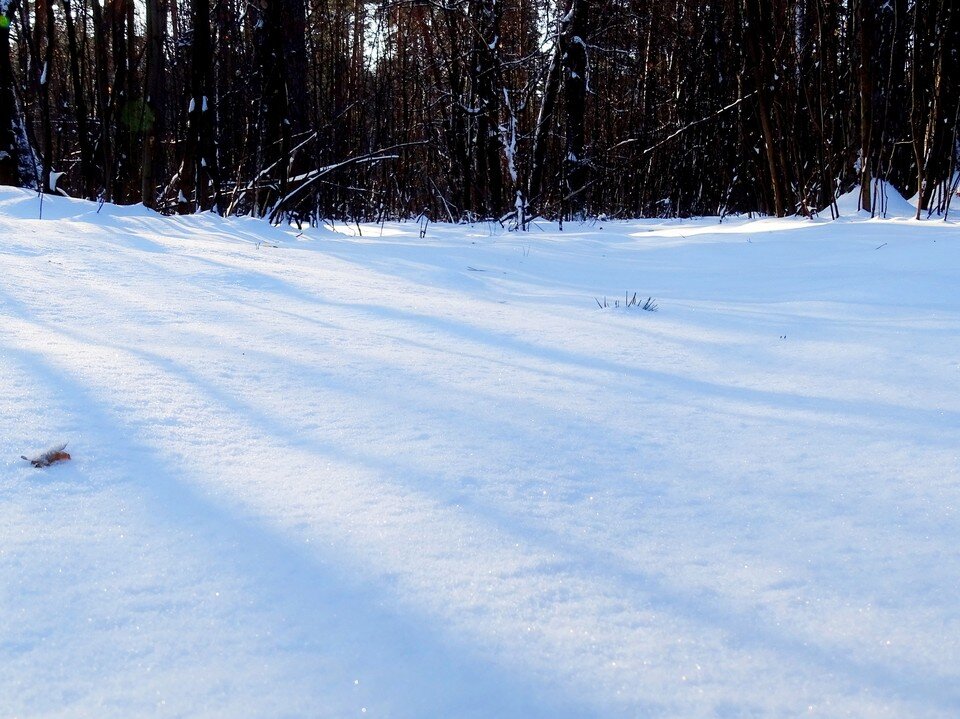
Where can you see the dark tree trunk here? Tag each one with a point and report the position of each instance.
(573, 45)
(10, 120)
(198, 177)
(118, 141)
(104, 150)
(47, 34)
(865, 16)
(154, 100)
(760, 35)
(940, 119)
(488, 90)
(87, 181)
(281, 60)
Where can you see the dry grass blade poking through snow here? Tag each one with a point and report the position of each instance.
(649, 304)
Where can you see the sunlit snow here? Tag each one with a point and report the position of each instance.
(323, 474)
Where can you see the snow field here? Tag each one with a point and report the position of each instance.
(321, 474)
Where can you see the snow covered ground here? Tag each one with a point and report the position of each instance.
(331, 475)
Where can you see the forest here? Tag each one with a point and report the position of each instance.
(300, 110)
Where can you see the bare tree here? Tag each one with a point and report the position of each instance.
(573, 107)
(10, 120)
(198, 179)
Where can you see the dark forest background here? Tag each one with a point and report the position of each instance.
(468, 109)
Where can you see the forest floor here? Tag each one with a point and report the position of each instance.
(326, 474)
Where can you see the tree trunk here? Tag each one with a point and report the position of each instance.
(86, 181)
(573, 46)
(759, 34)
(538, 153)
(46, 29)
(9, 116)
(943, 106)
(281, 61)
(104, 150)
(864, 17)
(198, 177)
(488, 91)
(154, 100)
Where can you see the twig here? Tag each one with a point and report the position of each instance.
(687, 127)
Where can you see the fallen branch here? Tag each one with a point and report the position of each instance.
(308, 178)
(687, 127)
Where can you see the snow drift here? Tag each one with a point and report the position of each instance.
(324, 474)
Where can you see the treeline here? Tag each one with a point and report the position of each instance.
(307, 109)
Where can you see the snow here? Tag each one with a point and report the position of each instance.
(888, 203)
(327, 474)
(54, 179)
